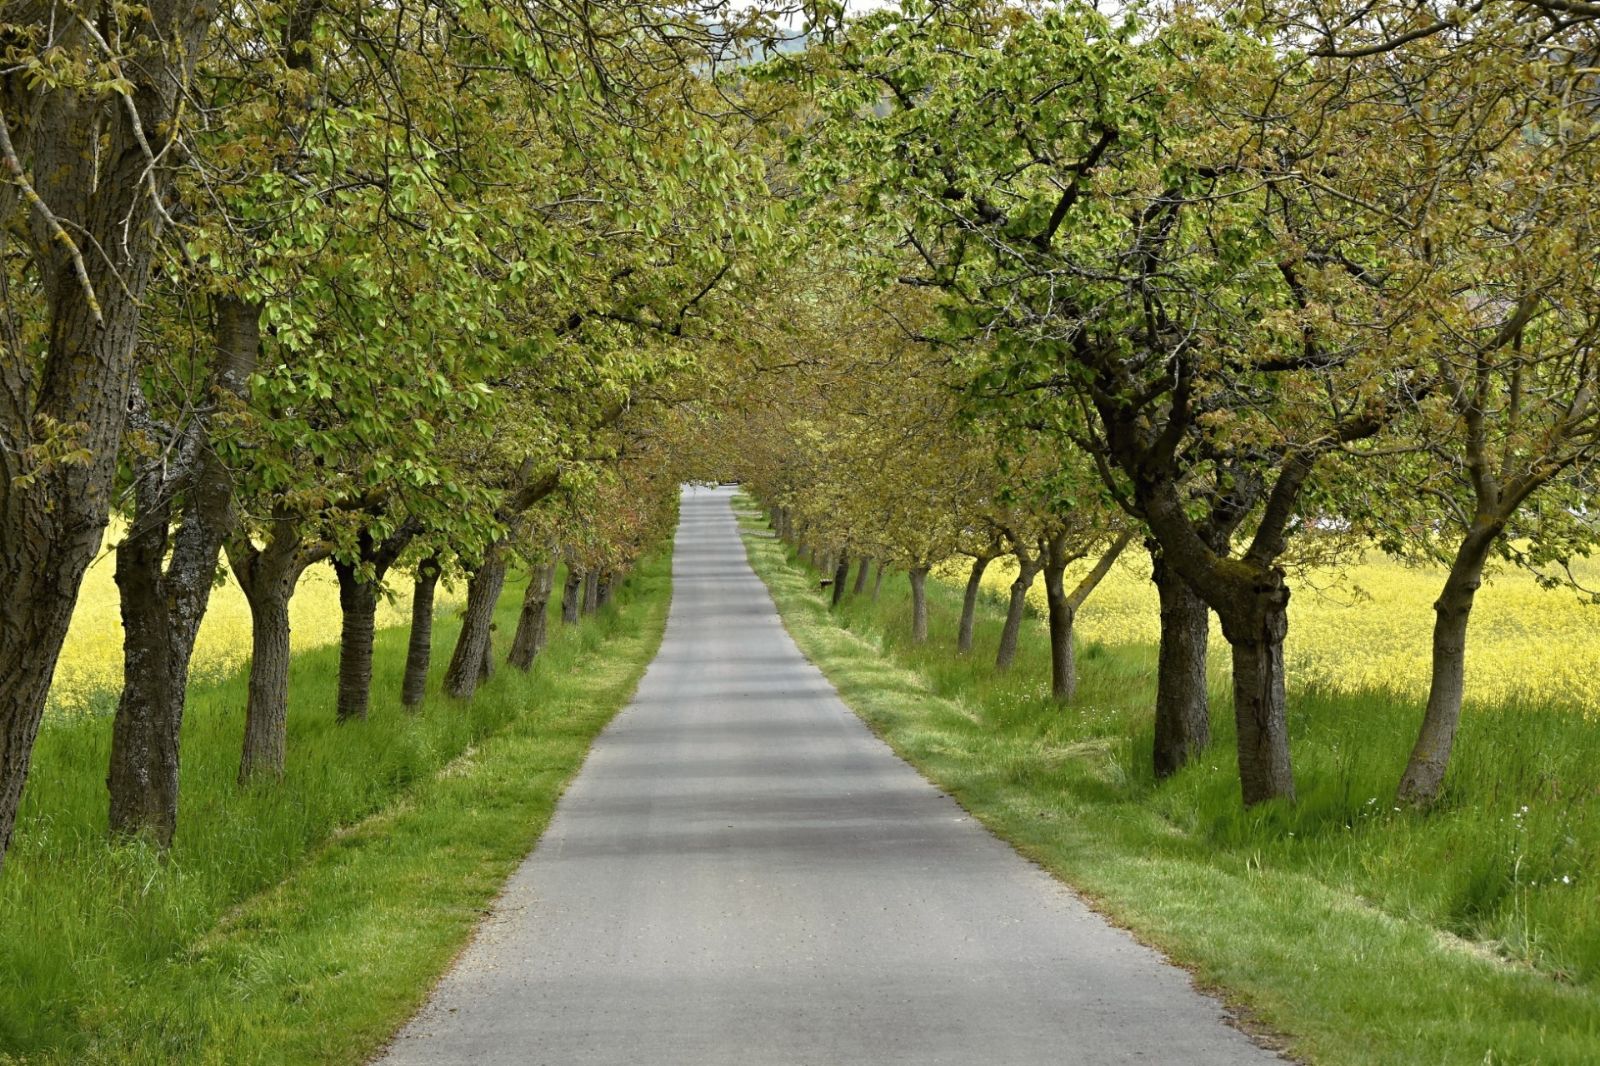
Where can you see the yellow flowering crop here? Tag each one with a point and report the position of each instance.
(91, 659)
(1370, 625)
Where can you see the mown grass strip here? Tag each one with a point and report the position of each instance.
(342, 936)
(1291, 945)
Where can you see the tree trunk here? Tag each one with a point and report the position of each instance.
(572, 595)
(861, 576)
(841, 577)
(143, 776)
(419, 650)
(268, 576)
(877, 581)
(474, 646)
(358, 609)
(607, 581)
(85, 158)
(919, 604)
(1183, 712)
(530, 636)
(1425, 770)
(1063, 664)
(591, 591)
(1256, 633)
(1027, 570)
(266, 716)
(164, 594)
(969, 604)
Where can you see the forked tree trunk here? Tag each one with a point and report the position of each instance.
(841, 576)
(572, 595)
(1010, 633)
(358, 608)
(530, 636)
(919, 604)
(1430, 757)
(419, 649)
(969, 603)
(165, 578)
(268, 576)
(1183, 712)
(861, 576)
(474, 645)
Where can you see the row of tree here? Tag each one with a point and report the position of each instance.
(1251, 285)
(399, 287)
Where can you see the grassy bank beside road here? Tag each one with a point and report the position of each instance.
(1363, 934)
(299, 923)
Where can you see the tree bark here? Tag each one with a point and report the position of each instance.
(268, 575)
(1027, 570)
(530, 636)
(164, 594)
(919, 604)
(841, 576)
(591, 591)
(1183, 711)
(607, 581)
(1061, 613)
(89, 174)
(358, 608)
(1256, 635)
(474, 645)
(572, 595)
(969, 603)
(861, 576)
(419, 649)
(1430, 757)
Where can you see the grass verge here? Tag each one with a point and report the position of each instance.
(1367, 935)
(300, 923)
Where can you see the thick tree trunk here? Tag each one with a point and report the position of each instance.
(1063, 664)
(919, 604)
(164, 594)
(419, 650)
(591, 591)
(1027, 570)
(969, 604)
(572, 595)
(474, 646)
(85, 158)
(1183, 711)
(1430, 757)
(143, 776)
(1255, 633)
(530, 636)
(841, 577)
(861, 576)
(607, 582)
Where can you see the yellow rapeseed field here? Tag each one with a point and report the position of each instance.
(1369, 626)
(91, 660)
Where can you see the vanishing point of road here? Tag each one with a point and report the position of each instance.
(743, 874)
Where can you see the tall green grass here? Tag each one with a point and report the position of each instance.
(1469, 934)
(371, 858)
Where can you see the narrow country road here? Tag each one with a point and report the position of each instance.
(743, 874)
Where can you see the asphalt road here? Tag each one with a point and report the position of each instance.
(743, 874)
